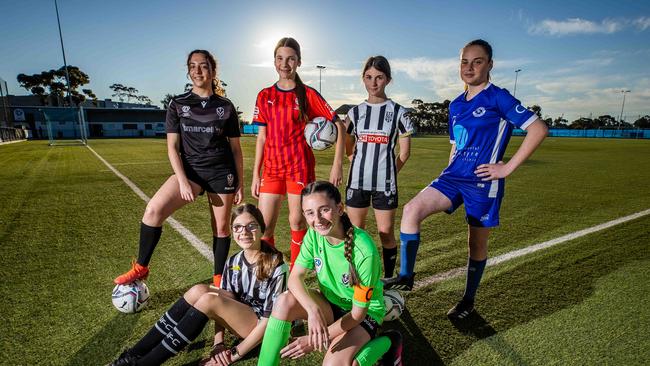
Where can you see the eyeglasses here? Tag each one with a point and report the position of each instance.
(251, 228)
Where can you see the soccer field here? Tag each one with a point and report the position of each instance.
(69, 225)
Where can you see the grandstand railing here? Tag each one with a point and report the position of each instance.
(11, 134)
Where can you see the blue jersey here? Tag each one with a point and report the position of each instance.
(481, 128)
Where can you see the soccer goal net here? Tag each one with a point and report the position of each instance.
(66, 126)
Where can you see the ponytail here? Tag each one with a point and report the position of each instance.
(301, 93)
(268, 259)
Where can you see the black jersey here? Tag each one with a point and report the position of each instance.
(204, 125)
(240, 278)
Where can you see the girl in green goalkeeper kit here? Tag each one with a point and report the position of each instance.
(346, 312)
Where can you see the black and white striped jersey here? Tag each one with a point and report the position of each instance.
(240, 278)
(376, 128)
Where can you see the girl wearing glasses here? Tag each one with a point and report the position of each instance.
(252, 280)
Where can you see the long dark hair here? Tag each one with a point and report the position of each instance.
(300, 86)
(333, 193)
(212, 63)
(484, 45)
(269, 256)
(378, 62)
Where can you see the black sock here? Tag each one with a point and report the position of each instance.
(149, 238)
(185, 332)
(220, 248)
(390, 258)
(165, 324)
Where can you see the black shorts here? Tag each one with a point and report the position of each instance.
(359, 198)
(369, 324)
(222, 181)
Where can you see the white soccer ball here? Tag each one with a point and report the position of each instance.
(320, 133)
(131, 298)
(394, 303)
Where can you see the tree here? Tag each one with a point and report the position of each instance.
(606, 121)
(122, 91)
(52, 85)
(560, 122)
(582, 123)
(537, 109)
(643, 122)
(165, 101)
(430, 117)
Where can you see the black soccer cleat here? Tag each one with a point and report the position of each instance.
(399, 283)
(127, 358)
(462, 310)
(393, 357)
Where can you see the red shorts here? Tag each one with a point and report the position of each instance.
(279, 185)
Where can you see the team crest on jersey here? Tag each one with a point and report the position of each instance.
(480, 111)
(345, 279)
(186, 111)
(220, 112)
(389, 117)
(230, 179)
(203, 103)
(318, 263)
(264, 288)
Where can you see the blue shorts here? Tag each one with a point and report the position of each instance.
(482, 199)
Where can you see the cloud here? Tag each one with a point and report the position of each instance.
(441, 74)
(308, 71)
(642, 23)
(576, 26)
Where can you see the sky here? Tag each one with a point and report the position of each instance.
(575, 56)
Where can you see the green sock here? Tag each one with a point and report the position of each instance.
(370, 353)
(275, 337)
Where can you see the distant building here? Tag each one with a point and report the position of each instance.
(104, 118)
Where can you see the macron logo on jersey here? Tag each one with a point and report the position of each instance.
(480, 111)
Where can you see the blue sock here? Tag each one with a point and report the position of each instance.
(408, 251)
(474, 274)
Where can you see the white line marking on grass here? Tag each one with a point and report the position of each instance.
(457, 272)
(185, 232)
(11, 142)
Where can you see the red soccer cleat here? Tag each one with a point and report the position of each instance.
(137, 272)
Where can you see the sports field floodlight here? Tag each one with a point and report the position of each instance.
(320, 70)
(65, 64)
(620, 118)
(514, 91)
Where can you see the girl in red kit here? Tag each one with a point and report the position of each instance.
(284, 163)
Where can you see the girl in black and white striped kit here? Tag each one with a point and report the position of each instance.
(252, 280)
(374, 128)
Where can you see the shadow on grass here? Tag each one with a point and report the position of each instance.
(109, 341)
(417, 349)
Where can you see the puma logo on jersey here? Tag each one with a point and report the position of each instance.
(270, 102)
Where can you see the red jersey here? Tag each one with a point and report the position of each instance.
(286, 153)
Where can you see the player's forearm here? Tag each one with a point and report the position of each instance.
(259, 154)
(254, 337)
(174, 156)
(536, 133)
(340, 144)
(347, 322)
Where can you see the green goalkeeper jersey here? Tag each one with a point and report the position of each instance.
(332, 270)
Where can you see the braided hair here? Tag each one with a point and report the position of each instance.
(333, 193)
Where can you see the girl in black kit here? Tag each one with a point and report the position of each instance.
(205, 154)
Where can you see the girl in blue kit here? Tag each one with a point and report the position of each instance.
(481, 121)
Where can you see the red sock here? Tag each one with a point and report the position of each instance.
(296, 242)
(270, 240)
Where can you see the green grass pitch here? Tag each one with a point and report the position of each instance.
(68, 226)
